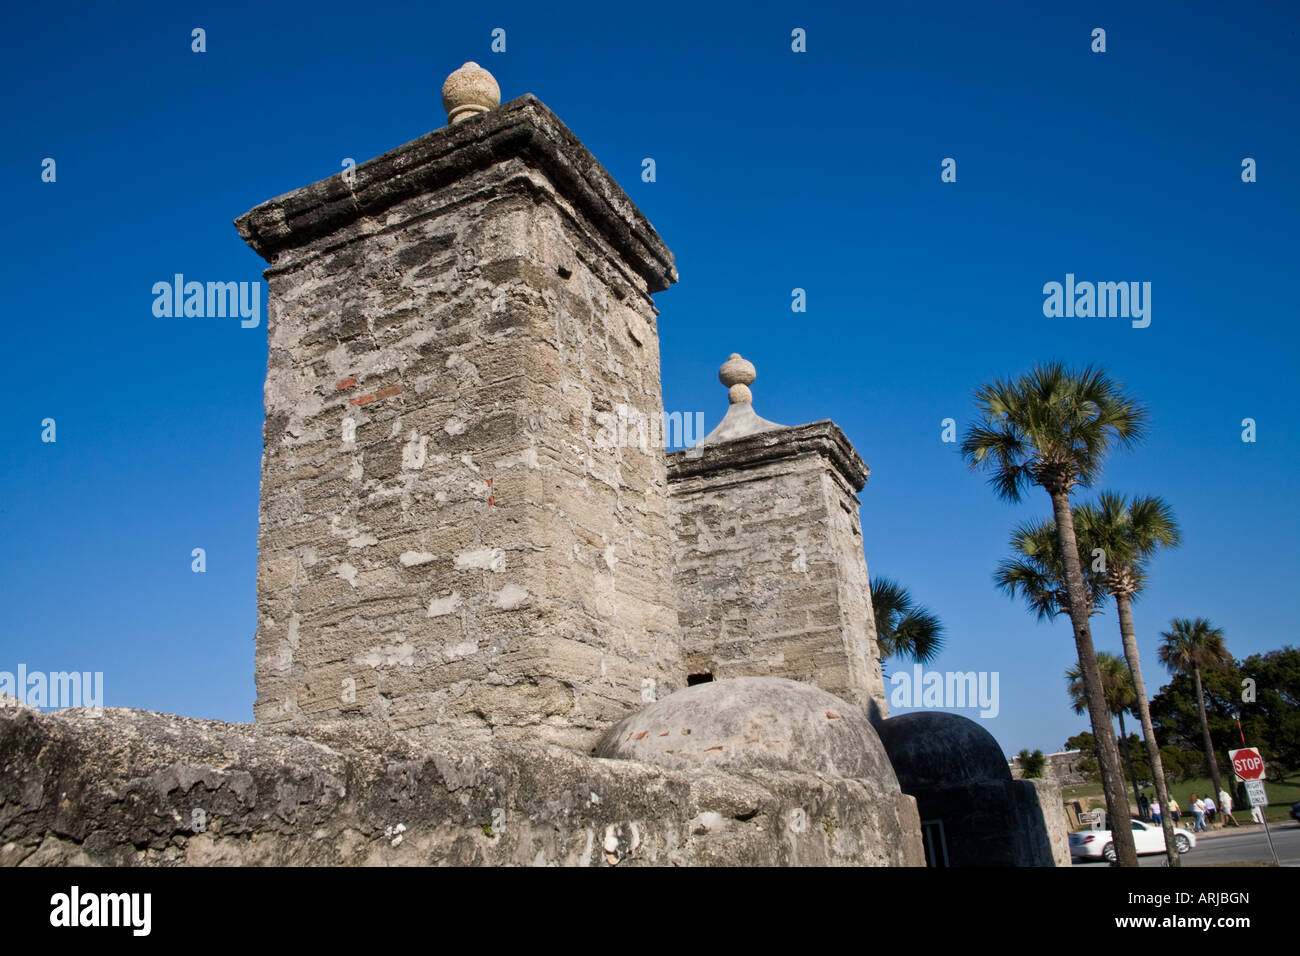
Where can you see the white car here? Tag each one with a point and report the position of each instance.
(1147, 837)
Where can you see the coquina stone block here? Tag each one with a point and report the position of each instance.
(134, 788)
(768, 556)
(444, 541)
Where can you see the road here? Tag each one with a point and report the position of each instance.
(1247, 846)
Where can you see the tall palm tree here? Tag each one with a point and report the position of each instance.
(1036, 572)
(1128, 533)
(1189, 648)
(1053, 428)
(1117, 684)
(903, 627)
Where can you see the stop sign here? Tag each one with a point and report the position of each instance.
(1247, 763)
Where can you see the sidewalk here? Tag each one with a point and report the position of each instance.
(1247, 826)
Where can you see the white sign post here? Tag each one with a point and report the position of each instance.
(1248, 766)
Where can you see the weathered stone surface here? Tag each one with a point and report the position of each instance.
(751, 722)
(1062, 767)
(523, 129)
(737, 375)
(1040, 800)
(470, 91)
(444, 542)
(139, 788)
(769, 564)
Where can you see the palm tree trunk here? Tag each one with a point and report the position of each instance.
(1129, 636)
(1112, 775)
(1128, 760)
(1205, 733)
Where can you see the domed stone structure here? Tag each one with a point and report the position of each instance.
(936, 749)
(749, 723)
(972, 812)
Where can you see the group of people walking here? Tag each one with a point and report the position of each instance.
(1204, 811)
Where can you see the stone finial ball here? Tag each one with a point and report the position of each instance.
(469, 91)
(737, 371)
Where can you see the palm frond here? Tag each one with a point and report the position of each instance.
(904, 629)
(1050, 416)
(1193, 644)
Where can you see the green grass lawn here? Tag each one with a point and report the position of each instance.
(1081, 790)
(1281, 794)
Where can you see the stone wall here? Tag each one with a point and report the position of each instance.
(1042, 802)
(139, 788)
(444, 539)
(1062, 768)
(769, 564)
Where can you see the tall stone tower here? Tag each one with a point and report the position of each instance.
(767, 553)
(444, 541)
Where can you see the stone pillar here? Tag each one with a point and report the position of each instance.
(444, 542)
(767, 553)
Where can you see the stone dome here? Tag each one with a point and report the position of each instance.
(749, 723)
(934, 750)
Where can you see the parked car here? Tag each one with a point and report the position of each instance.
(1147, 837)
(1295, 811)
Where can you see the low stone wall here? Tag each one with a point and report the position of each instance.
(1062, 767)
(133, 787)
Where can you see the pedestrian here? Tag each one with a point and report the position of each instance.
(1155, 811)
(1210, 809)
(1174, 810)
(1144, 807)
(1256, 814)
(1225, 804)
(1198, 811)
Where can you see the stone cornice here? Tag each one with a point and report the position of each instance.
(522, 129)
(819, 438)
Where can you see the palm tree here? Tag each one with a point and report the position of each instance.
(1128, 534)
(903, 627)
(1189, 648)
(1117, 684)
(1037, 573)
(1053, 428)
(1032, 765)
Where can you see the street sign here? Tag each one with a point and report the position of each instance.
(1090, 818)
(1247, 763)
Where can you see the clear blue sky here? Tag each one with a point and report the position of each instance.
(775, 170)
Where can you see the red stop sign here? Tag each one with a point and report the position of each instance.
(1247, 763)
